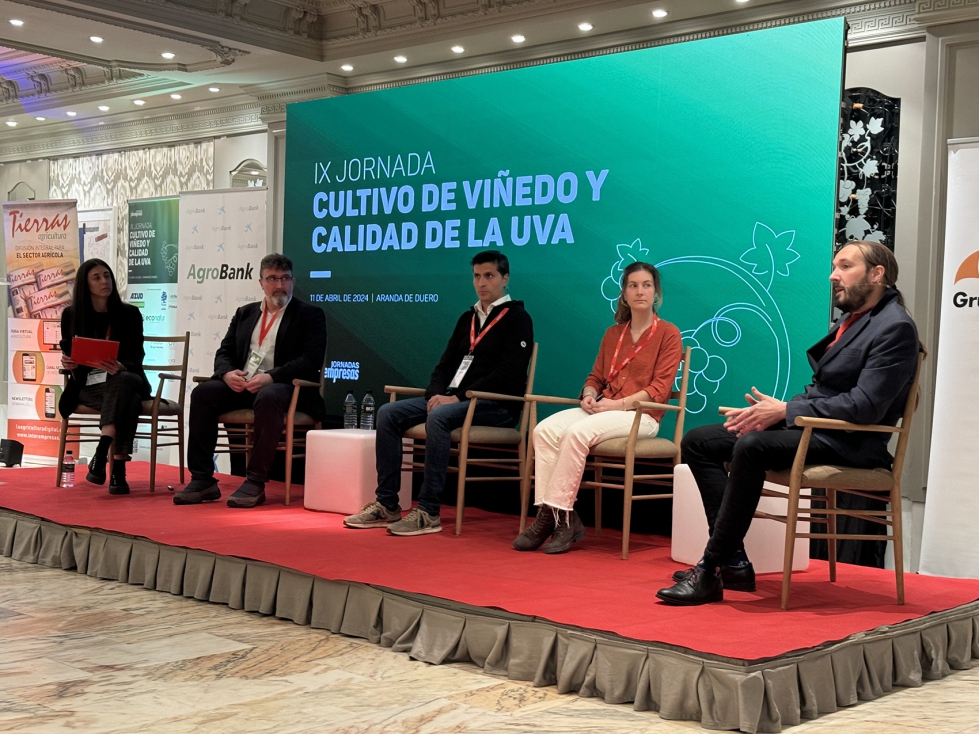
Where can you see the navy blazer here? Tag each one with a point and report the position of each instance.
(864, 378)
(300, 348)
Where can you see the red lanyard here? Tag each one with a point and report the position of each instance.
(473, 339)
(264, 330)
(614, 371)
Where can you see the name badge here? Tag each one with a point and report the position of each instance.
(461, 372)
(96, 377)
(254, 362)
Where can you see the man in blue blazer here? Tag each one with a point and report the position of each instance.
(862, 373)
(268, 345)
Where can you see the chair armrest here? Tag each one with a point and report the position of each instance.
(479, 395)
(201, 378)
(551, 400)
(397, 390)
(304, 383)
(805, 421)
(644, 405)
(170, 376)
(722, 410)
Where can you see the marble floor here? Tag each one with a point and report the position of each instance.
(78, 654)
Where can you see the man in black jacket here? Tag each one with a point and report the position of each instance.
(862, 373)
(268, 345)
(489, 350)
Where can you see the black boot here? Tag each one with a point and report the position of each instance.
(250, 494)
(117, 482)
(567, 530)
(735, 578)
(202, 489)
(96, 467)
(533, 537)
(700, 587)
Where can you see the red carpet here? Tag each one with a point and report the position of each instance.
(590, 587)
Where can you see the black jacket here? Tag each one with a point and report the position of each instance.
(126, 324)
(300, 348)
(501, 357)
(864, 378)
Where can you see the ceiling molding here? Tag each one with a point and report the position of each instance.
(134, 130)
(939, 12)
(62, 96)
(287, 27)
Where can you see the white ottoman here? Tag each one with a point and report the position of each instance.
(341, 474)
(764, 543)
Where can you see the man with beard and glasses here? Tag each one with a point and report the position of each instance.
(268, 345)
(862, 373)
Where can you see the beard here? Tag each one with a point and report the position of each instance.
(279, 298)
(853, 297)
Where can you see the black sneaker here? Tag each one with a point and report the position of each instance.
(117, 482)
(249, 494)
(197, 491)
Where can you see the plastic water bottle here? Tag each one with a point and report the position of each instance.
(367, 412)
(68, 471)
(350, 411)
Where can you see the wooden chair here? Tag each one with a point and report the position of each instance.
(510, 442)
(165, 418)
(622, 454)
(241, 424)
(878, 484)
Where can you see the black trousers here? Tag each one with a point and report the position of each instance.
(119, 403)
(212, 398)
(730, 499)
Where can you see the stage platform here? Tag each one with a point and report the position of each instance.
(585, 621)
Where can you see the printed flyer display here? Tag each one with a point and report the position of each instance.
(97, 235)
(42, 254)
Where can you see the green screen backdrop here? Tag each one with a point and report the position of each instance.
(714, 160)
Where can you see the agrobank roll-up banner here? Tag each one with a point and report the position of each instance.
(41, 240)
(948, 543)
(222, 241)
(714, 160)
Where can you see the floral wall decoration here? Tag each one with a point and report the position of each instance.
(869, 132)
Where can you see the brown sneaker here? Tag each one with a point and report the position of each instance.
(534, 537)
(568, 529)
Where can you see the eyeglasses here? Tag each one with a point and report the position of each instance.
(275, 279)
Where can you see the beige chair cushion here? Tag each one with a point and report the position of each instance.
(166, 408)
(646, 448)
(247, 415)
(477, 434)
(838, 477)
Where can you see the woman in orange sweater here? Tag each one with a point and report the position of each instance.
(637, 360)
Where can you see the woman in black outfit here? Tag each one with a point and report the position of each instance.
(119, 386)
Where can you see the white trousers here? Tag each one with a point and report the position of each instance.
(561, 445)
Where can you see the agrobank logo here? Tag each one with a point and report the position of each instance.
(969, 269)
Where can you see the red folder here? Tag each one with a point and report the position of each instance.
(92, 352)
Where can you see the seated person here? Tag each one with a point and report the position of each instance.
(863, 370)
(268, 345)
(489, 350)
(117, 387)
(637, 360)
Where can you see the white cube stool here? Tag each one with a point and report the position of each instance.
(341, 473)
(764, 543)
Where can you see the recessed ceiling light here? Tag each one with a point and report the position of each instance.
(214, 89)
(11, 123)
(103, 108)
(458, 50)
(167, 55)
(253, 173)
(659, 13)
(585, 26)
(139, 102)
(401, 59)
(70, 113)
(518, 38)
(742, 1)
(174, 96)
(347, 67)
(40, 119)
(95, 39)
(18, 23)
